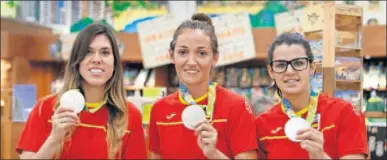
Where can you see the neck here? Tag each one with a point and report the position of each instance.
(94, 94)
(197, 90)
(298, 101)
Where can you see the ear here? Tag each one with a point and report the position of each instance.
(270, 71)
(170, 52)
(215, 59)
(312, 69)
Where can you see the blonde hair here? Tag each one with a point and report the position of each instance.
(114, 88)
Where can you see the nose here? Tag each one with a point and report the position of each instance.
(96, 58)
(191, 59)
(289, 69)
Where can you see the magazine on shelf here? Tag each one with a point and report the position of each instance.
(316, 82)
(348, 68)
(317, 50)
(352, 96)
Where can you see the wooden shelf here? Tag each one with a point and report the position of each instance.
(346, 22)
(375, 114)
(348, 85)
(263, 38)
(348, 52)
(23, 27)
(379, 89)
(132, 50)
(374, 41)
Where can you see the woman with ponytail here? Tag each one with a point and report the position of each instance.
(107, 127)
(226, 130)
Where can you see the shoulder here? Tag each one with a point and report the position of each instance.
(224, 95)
(232, 104)
(133, 110)
(45, 106)
(271, 113)
(169, 100)
(333, 105)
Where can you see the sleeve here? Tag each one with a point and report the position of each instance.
(154, 142)
(135, 146)
(36, 130)
(352, 133)
(242, 131)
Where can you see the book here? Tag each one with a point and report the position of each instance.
(23, 100)
(348, 68)
(352, 96)
(316, 82)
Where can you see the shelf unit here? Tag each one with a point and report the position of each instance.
(337, 25)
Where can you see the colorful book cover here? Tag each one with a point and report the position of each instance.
(232, 77)
(219, 76)
(317, 50)
(348, 68)
(350, 96)
(23, 100)
(316, 82)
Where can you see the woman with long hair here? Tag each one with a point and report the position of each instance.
(108, 127)
(306, 124)
(226, 129)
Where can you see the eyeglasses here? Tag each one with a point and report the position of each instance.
(297, 64)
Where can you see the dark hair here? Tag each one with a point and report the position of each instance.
(372, 20)
(289, 38)
(198, 21)
(114, 87)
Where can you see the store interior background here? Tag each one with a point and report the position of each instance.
(36, 37)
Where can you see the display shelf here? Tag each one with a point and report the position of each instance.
(348, 85)
(378, 89)
(348, 52)
(345, 22)
(338, 26)
(375, 114)
(374, 41)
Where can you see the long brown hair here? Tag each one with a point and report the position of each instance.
(114, 87)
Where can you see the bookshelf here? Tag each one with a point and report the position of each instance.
(339, 27)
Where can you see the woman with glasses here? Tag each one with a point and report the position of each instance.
(306, 124)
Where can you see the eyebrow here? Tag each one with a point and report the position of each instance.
(291, 59)
(200, 47)
(182, 46)
(90, 48)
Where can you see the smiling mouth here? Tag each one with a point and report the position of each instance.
(191, 71)
(291, 80)
(96, 70)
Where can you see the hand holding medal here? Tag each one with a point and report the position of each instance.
(207, 137)
(312, 141)
(65, 117)
(195, 118)
(192, 115)
(73, 99)
(299, 130)
(293, 126)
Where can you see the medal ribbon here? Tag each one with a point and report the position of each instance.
(209, 108)
(312, 107)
